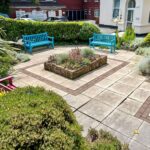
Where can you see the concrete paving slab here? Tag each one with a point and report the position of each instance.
(76, 101)
(121, 88)
(93, 91)
(96, 109)
(86, 122)
(123, 123)
(137, 146)
(144, 134)
(135, 82)
(130, 106)
(110, 98)
(140, 95)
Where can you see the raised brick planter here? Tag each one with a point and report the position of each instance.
(72, 74)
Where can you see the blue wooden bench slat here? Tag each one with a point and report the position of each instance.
(35, 40)
(107, 40)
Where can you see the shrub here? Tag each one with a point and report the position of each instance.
(147, 40)
(87, 31)
(61, 58)
(145, 51)
(144, 66)
(87, 52)
(137, 42)
(129, 35)
(32, 118)
(119, 40)
(102, 140)
(62, 31)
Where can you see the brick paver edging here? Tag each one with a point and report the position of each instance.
(80, 89)
(144, 112)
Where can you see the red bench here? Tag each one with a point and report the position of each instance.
(9, 86)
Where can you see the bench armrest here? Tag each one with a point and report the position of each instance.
(91, 39)
(9, 79)
(50, 37)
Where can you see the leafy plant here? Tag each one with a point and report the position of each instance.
(136, 43)
(119, 40)
(61, 58)
(144, 66)
(129, 35)
(101, 140)
(145, 51)
(75, 55)
(87, 31)
(87, 53)
(147, 40)
(86, 61)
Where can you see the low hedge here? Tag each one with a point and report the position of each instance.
(32, 118)
(62, 31)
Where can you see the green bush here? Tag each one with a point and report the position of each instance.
(35, 119)
(87, 52)
(144, 66)
(62, 31)
(103, 140)
(144, 51)
(87, 31)
(147, 40)
(61, 58)
(129, 35)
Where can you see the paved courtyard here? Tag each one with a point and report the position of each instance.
(114, 98)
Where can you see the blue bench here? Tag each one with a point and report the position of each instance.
(103, 40)
(36, 40)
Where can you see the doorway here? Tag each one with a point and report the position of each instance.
(130, 13)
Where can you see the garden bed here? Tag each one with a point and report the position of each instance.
(98, 61)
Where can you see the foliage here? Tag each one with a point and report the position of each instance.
(102, 140)
(125, 41)
(144, 51)
(74, 59)
(147, 40)
(61, 58)
(87, 31)
(136, 43)
(8, 57)
(4, 6)
(35, 119)
(62, 31)
(129, 35)
(119, 40)
(144, 66)
(87, 52)
(32, 118)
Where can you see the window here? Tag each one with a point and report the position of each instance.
(116, 8)
(96, 1)
(96, 13)
(131, 4)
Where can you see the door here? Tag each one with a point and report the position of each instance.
(130, 13)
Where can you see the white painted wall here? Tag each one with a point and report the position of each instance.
(141, 15)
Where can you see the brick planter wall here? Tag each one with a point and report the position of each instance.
(72, 74)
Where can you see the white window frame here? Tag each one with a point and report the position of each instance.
(116, 8)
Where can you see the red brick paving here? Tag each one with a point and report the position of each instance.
(144, 111)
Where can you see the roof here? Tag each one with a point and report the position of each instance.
(42, 5)
(4, 15)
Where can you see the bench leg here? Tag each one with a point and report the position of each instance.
(53, 46)
(30, 50)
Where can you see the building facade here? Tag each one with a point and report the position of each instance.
(73, 9)
(135, 13)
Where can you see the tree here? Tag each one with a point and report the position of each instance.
(4, 6)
